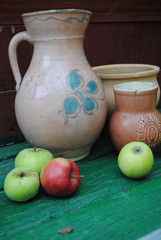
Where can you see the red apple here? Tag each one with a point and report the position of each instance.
(60, 177)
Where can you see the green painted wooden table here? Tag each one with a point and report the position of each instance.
(107, 205)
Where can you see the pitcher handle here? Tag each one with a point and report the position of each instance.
(12, 51)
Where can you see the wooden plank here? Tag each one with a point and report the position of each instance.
(103, 10)
(102, 180)
(6, 78)
(24, 51)
(11, 141)
(128, 215)
(11, 151)
(123, 43)
(8, 123)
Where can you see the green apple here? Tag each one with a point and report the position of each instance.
(35, 158)
(21, 184)
(135, 159)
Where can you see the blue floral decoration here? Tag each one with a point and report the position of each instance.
(79, 98)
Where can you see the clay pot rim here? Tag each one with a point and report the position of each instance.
(136, 87)
(151, 70)
(56, 11)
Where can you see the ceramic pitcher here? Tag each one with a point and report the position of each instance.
(136, 117)
(60, 102)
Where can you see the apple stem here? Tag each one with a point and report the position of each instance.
(22, 174)
(34, 149)
(75, 176)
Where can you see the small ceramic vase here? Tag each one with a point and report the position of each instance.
(136, 117)
(60, 102)
(114, 74)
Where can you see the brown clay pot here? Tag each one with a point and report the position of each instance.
(60, 102)
(136, 117)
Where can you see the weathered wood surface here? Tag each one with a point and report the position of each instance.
(103, 10)
(8, 123)
(134, 214)
(24, 51)
(107, 205)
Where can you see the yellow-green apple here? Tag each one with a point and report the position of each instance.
(60, 177)
(135, 159)
(21, 184)
(34, 158)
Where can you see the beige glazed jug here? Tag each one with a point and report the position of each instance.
(60, 102)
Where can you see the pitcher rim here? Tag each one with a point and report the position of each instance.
(56, 11)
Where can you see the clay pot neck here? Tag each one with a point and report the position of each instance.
(57, 49)
(136, 97)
